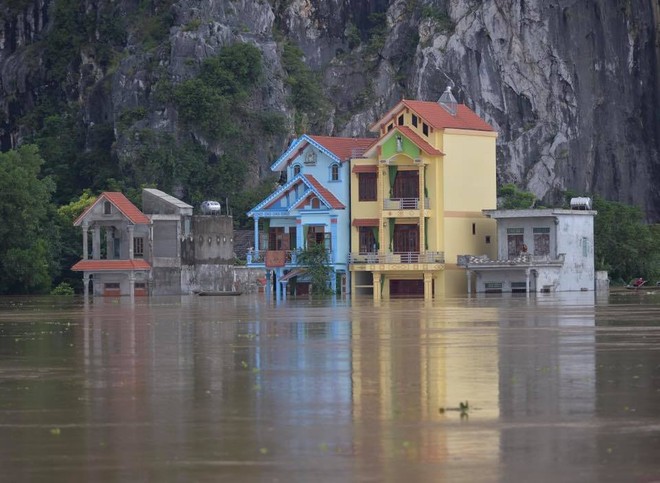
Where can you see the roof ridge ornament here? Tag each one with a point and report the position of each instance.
(448, 101)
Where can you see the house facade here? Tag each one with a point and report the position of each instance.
(417, 195)
(162, 250)
(539, 250)
(311, 207)
(120, 233)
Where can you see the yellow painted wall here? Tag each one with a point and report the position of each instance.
(361, 209)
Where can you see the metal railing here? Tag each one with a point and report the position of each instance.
(404, 257)
(404, 203)
(523, 259)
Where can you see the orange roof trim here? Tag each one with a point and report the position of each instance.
(110, 265)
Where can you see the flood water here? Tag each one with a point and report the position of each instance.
(557, 387)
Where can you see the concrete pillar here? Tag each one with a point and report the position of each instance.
(96, 243)
(85, 228)
(256, 234)
(352, 284)
(278, 285)
(428, 286)
(300, 236)
(269, 277)
(527, 281)
(109, 244)
(131, 230)
(333, 240)
(468, 273)
(131, 284)
(284, 287)
(85, 284)
(376, 284)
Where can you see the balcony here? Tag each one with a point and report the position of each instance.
(521, 261)
(258, 257)
(405, 258)
(404, 204)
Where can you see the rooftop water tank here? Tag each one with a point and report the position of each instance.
(581, 203)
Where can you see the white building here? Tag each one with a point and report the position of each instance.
(538, 250)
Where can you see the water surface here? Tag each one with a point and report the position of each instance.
(559, 387)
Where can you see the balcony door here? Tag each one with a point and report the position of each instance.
(406, 185)
(277, 239)
(406, 238)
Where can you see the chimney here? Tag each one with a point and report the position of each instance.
(448, 101)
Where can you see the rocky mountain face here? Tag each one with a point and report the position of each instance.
(573, 87)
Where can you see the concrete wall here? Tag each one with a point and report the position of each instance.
(213, 240)
(220, 278)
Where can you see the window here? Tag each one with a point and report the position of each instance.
(414, 120)
(107, 208)
(474, 228)
(487, 239)
(334, 172)
(367, 186)
(316, 204)
(138, 247)
(390, 127)
(541, 241)
(515, 241)
(296, 169)
(400, 120)
(493, 287)
(425, 129)
(518, 287)
(111, 285)
(368, 236)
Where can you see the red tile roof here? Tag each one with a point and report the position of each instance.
(327, 195)
(110, 265)
(366, 222)
(128, 209)
(438, 117)
(419, 141)
(344, 148)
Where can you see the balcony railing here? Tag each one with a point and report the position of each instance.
(259, 256)
(520, 260)
(404, 203)
(405, 257)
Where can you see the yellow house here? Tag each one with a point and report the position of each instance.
(417, 196)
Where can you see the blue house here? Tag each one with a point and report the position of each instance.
(312, 206)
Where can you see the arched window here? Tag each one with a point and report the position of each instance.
(316, 204)
(334, 172)
(296, 169)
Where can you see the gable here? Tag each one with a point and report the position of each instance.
(120, 208)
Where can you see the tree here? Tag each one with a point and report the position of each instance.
(624, 245)
(315, 259)
(509, 197)
(28, 235)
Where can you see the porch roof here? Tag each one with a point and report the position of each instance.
(110, 265)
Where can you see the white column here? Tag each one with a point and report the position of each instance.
(527, 282)
(469, 281)
(96, 242)
(109, 244)
(131, 228)
(85, 228)
(256, 233)
(85, 284)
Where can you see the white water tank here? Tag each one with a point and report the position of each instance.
(581, 203)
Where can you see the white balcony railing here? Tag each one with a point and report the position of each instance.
(404, 203)
(405, 257)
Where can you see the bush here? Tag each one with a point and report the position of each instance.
(62, 289)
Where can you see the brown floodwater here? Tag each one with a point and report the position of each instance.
(556, 387)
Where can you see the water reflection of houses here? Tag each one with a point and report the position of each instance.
(547, 386)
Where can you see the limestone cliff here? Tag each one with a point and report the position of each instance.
(573, 87)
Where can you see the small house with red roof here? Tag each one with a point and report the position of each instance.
(310, 207)
(116, 247)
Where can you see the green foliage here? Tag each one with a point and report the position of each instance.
(130, 117)
(625, 246)
(213, 100)
(509, 197)
(192, 25)
(27, 234)
(307, 95)
(353, 36)
(441, 18)
(63, 289)
(377, 33)
(315, 259)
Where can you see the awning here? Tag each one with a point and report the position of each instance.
(293, 273)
